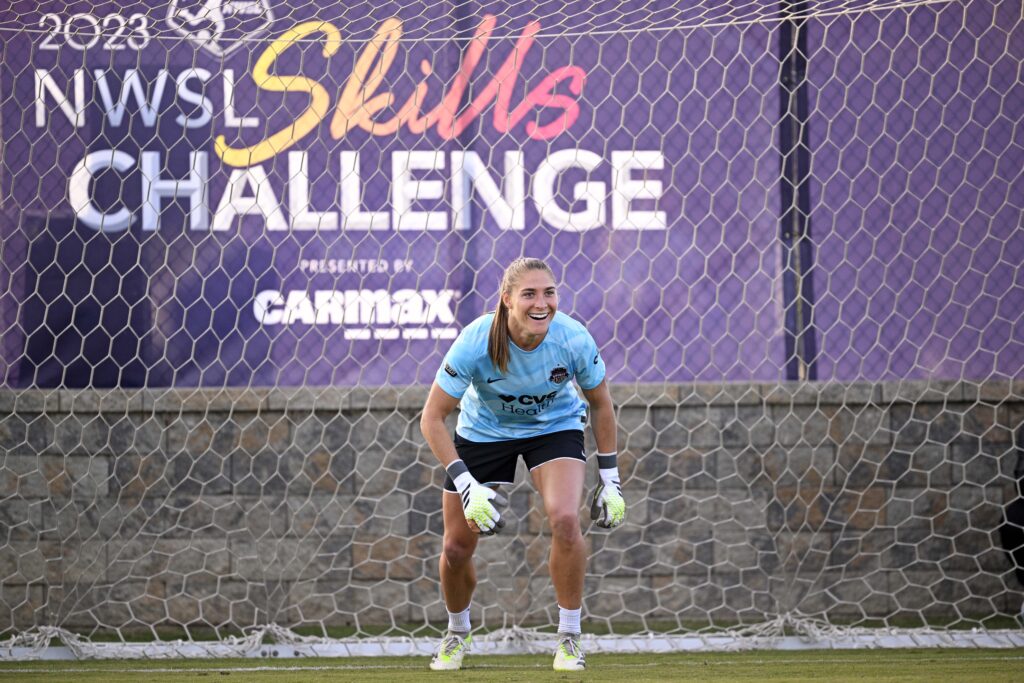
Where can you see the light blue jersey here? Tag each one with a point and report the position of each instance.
(536, 396)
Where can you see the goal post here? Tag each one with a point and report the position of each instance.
(239, 236)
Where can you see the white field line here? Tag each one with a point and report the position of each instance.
(693, 660)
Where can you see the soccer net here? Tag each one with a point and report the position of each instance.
(238, 237)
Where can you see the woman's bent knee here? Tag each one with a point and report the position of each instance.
(457, 552)
(565, 527)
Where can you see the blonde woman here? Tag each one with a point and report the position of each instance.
(512, 373)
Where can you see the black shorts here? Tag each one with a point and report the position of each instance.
(494, 462)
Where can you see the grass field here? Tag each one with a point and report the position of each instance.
(949, 666)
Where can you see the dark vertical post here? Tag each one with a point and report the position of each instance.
(795, 224)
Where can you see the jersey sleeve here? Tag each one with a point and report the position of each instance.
(456, 370)
(590, 368)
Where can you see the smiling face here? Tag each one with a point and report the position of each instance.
(531, 307)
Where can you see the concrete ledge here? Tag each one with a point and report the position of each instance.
(183, 399)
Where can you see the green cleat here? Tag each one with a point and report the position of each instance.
(569, 654)
(450, 653)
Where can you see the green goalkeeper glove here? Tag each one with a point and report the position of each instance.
(478, 501)
(607, 506)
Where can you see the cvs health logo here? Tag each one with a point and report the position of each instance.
(527, 404)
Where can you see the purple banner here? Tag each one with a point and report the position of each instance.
(254, 194)
(918, 192)
(272, 196)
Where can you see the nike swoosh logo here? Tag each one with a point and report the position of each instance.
(492, 381)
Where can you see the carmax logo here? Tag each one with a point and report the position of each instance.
(377, 314)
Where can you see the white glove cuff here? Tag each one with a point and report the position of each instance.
(460, 475)
(608, 468)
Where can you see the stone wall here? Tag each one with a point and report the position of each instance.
(120, 510)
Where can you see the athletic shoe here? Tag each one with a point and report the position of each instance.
(569, 654)
(450, 653)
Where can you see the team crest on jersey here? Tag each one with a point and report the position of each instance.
(558, 375)
(220, 26)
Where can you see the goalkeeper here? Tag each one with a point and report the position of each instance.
(512, 371)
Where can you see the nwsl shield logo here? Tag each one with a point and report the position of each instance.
(220, 26)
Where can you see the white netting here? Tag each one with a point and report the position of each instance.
(238, 237)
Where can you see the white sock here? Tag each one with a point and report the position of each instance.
(569, 620)
(459, 621)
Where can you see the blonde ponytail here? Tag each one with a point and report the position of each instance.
(497, 340)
